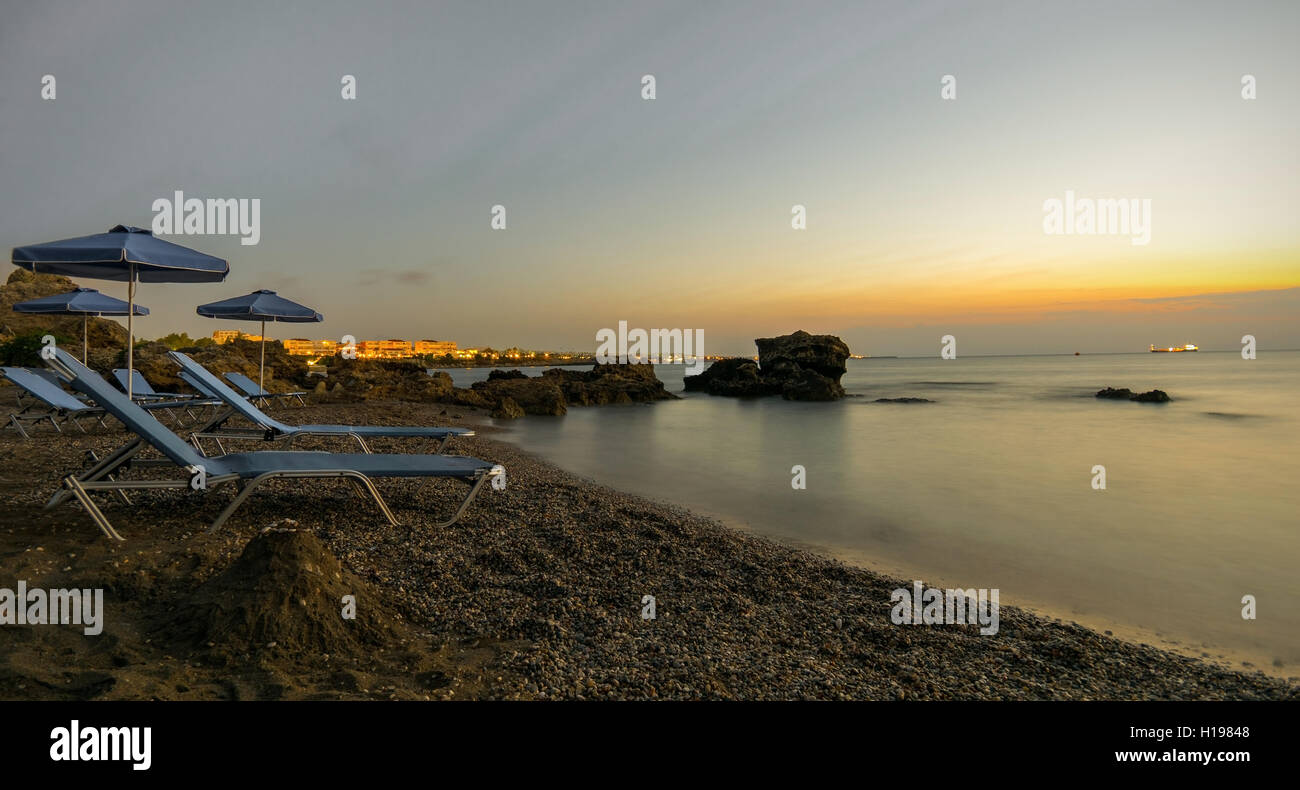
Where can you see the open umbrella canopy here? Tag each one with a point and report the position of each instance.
(261, 306)
(123, 254)
(83, 301)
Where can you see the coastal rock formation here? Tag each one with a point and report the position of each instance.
(797, 366)
(525, 394)
(786, 355)
(738, 377)
(22, 285)
(511, 394)
(612, 383)
(507, 409)
(1154, 396)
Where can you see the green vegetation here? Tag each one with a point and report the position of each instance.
(179, 340)
(25, 350)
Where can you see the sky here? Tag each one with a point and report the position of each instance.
(924, 215)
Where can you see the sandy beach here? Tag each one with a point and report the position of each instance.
(535, 594)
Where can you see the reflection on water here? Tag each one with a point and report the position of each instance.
(990, 485)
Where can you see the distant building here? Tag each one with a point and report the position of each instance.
(302, 347)
(436, 348)
(226, 335)
(384, 349)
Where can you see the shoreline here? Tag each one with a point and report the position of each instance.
(536, 594)
(1226, 658)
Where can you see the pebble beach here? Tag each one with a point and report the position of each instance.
(535, 594)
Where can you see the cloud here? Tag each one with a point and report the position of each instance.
(369, 277)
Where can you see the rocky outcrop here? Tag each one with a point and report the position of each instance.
(511, 394)
(612, 383)
(737, 377)
(512, 397)
(1154, 396)
(786, 355)
(22, 285)
(507, 409)
(797, 366)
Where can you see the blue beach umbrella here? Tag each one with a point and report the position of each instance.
(123, 254)
(261, 306)
(84, 302)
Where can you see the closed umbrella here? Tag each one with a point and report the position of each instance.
(261, 306)
(123, 254)
(84, 302)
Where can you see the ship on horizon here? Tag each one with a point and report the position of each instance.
(1174, 349)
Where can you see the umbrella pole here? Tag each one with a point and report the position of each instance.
(130, 331)
(85, 319)
(261, 371)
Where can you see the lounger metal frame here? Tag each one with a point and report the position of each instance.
(216, 430)
(262, 397)
(106, 475)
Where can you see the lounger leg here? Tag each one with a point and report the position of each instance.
(473, 492)
(379, 500)
(353, 477)
(101, 469)
(76, 423)
(13, 418)
(239, 500)
(91, 508)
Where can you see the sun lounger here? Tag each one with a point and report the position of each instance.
(143, 392)
(46, 374)
(247, 470)
(58, 406)
(268, 428)
(62, 407)
(255, 393)
(141, 389)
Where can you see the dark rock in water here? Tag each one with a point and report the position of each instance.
(737, 377)
(903, 400)
(786, 355)
(1154, 396)
(511, 394)
(533, 395)
(507, 409)
(802, 384)
(797, 366)
(613, 383)
(360, 380)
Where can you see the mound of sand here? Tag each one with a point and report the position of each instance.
(285, 592)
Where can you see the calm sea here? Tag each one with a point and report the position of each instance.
(991, 485)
